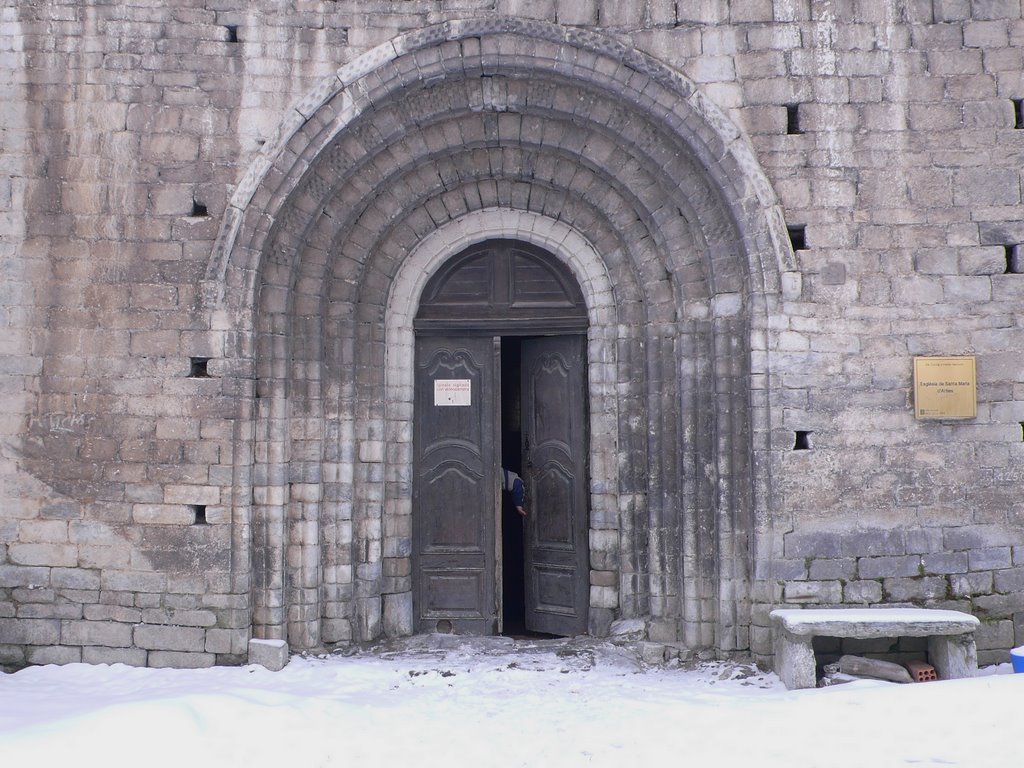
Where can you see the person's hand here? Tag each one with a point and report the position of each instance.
(521, 511)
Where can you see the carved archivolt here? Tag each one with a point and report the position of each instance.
(459, 133)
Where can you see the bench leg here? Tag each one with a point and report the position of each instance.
(794, 660)
(953, 656)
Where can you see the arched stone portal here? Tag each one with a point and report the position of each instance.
(448, 136)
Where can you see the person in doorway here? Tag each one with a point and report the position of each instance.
(513, 484)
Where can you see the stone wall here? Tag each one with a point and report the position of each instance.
(907, 178)
(131, 496)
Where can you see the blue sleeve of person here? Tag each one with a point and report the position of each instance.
(514, 485)
(518, 492)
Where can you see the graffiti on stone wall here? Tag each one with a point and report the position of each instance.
(57, 423)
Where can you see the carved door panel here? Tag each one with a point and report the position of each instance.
(554, 470)
(455, 485)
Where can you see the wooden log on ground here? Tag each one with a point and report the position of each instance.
(875, 668)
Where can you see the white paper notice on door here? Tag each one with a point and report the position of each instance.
(453, 392)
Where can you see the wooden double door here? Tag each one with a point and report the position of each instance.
(460, 579)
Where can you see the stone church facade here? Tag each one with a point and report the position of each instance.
(225, 231)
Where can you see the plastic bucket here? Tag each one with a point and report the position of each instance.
(1017, 659)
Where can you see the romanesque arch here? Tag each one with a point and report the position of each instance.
(444, 137)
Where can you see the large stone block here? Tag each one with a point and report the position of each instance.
(916, 589)
(75, 578)
(133, 581)
(179, 617)
(192, 494)
(945, 562)
(794, 660)
(105, 612)
(994, 635)
(881, 567)
(979, 537)
(862, 592)
(965, 585)
(24, 576)
(828, 569)
(814, 592)
(227, 641)
(61, 555)
(43, 531)
(817, 544)
(12, 656)
(985, 260)
(398, 614)
(55, 610)
(163, 514)
(781, 569)
(57, 654)
(952, 10)
(990, 558)
(104, 633)
(604, 597)
(29, 632)
(336, 630)
(117, 557)
(180, 660)
(1010, 580)
(954, 657)
(133, 657)
(873, 543)
(272, 654)
(169, 638)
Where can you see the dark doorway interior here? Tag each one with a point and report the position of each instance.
(512, 539)
(553, 424)
(515, 530)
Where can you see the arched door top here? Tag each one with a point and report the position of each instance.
(502, 285)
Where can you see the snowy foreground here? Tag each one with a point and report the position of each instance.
(441, 701)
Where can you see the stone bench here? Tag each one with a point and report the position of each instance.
(951, 648)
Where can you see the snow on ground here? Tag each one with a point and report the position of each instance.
(444, 701)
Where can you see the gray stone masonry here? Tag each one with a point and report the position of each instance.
(216, 220)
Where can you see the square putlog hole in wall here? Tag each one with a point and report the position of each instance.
(793, 120)
(199, 514)
(1018, 113)
(802, 440)
(1014, 262)
(198, 368)
(798, 237)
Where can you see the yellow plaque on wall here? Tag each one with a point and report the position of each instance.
(945, 388)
